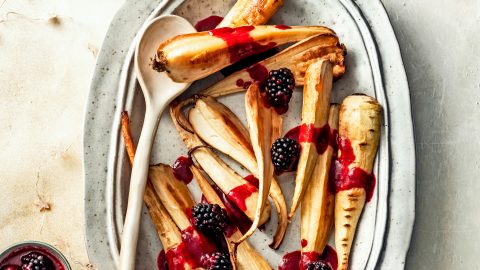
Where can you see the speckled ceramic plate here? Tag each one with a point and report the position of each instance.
(374, 67)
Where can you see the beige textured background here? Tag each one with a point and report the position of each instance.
(47, 55)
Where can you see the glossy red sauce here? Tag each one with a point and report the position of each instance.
(240, 43)
(346, 177)
(240, 83)
(283, 27)
(308, 133)
(208, 23)
(14, 258)
(237, 216)
(304, 243)
(296, 260)
(258, 73)
(162, 261)
(240, 194)
(252, 180)
(181, 169)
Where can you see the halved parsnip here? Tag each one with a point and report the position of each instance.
(225, 177)
(315, 108)
(359, 134)
(189, 57)
(250, 12)
(265, 126)
(218, 126)
(318, 201)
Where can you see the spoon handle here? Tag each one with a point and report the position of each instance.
(137, 187)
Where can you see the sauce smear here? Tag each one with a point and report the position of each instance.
(181, 169)
(346, 177)
(240, 194)
(162, 261)
(296, 260)
(283, 27)
(208, 23)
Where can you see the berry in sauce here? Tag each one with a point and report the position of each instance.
(285, 154)
(210, 219)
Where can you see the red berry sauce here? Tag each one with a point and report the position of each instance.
(242, 222)
(345, 177)
(162, 261)
(283, 27)
(181, 169)
(208, 23)
(304, 243)
(190, 251)
(240, 43)
(296, 260)
(322, 137)
(13, 259)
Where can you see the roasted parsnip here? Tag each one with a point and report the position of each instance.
(265, 126)
(218, 126)
(296, 58)
(318, 201)
(190, 57)
(250, 12)
(316, 104)
(359, 134)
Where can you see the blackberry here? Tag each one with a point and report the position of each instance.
(218, 261)
(279, 88)
(209, 218)
(36, 261)
(285, 152)
(318, 265)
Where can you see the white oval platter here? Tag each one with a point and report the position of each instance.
(374, 67)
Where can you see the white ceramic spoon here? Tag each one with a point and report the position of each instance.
(159, 90)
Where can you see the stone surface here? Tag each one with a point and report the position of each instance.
(440, 47)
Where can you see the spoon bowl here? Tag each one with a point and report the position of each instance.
(159, 90)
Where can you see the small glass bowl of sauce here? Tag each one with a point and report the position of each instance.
(11, 258)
